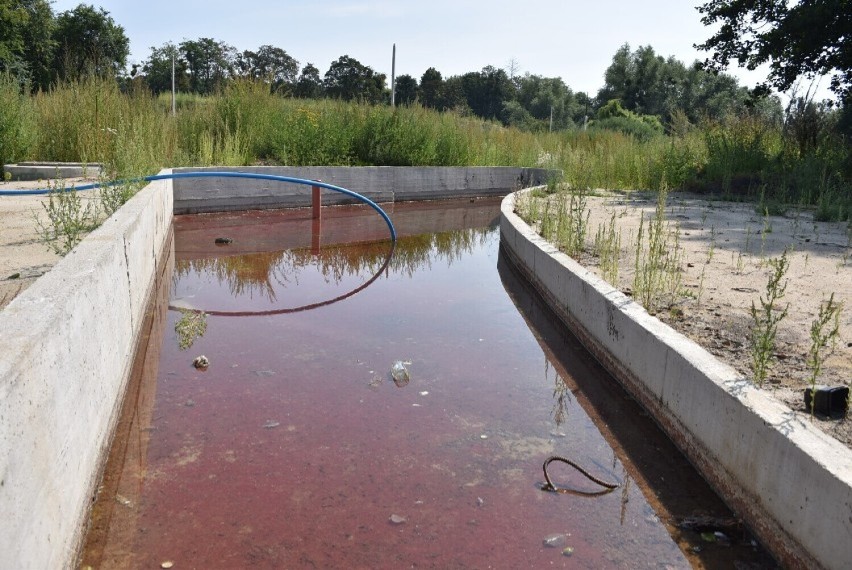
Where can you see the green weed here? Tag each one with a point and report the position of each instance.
(608, 249)
(825, 330)
(765, 320)
(68, 220)
(657, 265)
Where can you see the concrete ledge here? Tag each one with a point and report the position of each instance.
(789, 481)
(379, 183)
(49, 170)
(68, 343)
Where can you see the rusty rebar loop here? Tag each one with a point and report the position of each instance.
(549, 486)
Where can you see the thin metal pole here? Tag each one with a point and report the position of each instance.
(317, 202)
(316, 223)
(393, 77)
(173, 84)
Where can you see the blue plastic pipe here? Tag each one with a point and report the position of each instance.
(255, 176)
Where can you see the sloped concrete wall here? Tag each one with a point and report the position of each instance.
(67, 348)
(789, 481)
(379, 183)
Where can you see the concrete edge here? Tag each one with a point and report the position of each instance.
(790, 482)
(62, 379)
(52, 170)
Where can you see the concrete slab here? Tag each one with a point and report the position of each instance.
(52, 170)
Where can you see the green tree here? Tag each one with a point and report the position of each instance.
(796, 39)
(648, 84)
(543, 97)
(309, 84)
(515, 115)
(431, 87)
(210, 64)
(26, 41)
(157, 69)
(452, 96)
(406, 90)
(349, 79)
(89, 42)
(487, 91)
(270, 64)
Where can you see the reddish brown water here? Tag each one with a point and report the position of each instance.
(296, 449)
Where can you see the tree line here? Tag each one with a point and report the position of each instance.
(643, 91)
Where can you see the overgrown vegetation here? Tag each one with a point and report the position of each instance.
(134, 133)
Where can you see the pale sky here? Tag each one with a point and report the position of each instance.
(571, 39)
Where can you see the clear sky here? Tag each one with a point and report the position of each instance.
(571, 39)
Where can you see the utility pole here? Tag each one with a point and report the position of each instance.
(551, 118)
(393, 77)
(173, 84)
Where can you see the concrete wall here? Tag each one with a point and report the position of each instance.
(789, 481)
(379, 183)
(68, 343)
(49, 170)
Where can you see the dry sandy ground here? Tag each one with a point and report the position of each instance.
(726, 243)
(729, 244)
(23, 257)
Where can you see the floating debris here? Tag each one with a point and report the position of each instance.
(558, 434)
(223, 240)
(201, 362)
(271, 424)
(376, 382)
(424, 393)
(400, 374)
(397, 519)
(122, 500)
(554, 541)
(189, 403)
(264, 373)
(483, 436)
(167, 564)
(480, 501)
(568, 551)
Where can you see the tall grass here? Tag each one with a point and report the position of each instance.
(16, 116)
(133, 133)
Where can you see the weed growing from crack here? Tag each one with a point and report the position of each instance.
(765, 320)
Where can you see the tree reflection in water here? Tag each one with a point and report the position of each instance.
(259, 274)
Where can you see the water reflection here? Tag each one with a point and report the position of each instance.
(268, 274)
(561, 394)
